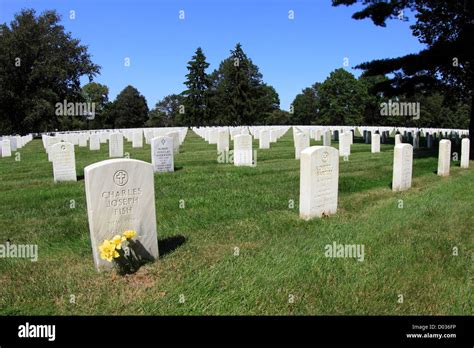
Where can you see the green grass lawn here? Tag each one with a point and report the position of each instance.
(408, 251)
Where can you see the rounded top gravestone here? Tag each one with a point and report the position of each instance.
(120, 196)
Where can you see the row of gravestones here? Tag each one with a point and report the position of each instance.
(96, 138)
(380, 135)
(409, 135)
(8, 144)
(120, 192)
(242, 138)
(62, 154)
(319, 173)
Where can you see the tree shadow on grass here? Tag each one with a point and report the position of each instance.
(168, 245)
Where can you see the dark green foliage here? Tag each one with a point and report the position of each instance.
(342, 99)
(99, 95)
(129, 110)
(196, 99)
(239, 96)
(40, 65)
(447, 29)
(166, 112)
(306, 105)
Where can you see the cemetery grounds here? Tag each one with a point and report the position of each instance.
(232, 243)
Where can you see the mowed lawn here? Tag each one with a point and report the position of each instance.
(279, 266)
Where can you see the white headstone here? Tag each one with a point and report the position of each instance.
(375, 143)
(50, 141)
(74, 139)
(398, 139)
(212, 137)
(175, 136)
(465, 153)
(137, 141)
(162, 154)
(273, 136)
(120, 196)
(327, 138)
(116, 145)
(104, 137)
(319, 179)
(301, 143)
(6, 149)
(82, 140)
(264, 139)
(444, 157)
(345, 144)
(94, 142)
(243, 150)
(402, 167)
(13, 143)
(222, 141)
(64, 162)
(317, 135)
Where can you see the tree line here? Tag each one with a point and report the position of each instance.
(41, 65)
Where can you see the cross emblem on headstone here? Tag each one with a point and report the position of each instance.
(121, 177)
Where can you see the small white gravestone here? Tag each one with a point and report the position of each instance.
(398, 139)
(94, 142)
(243, 150)
(317, 135)
(175, 136)
(465, 153)
(162, 154)
(444, 157)
(49, 143)
(13, 143)
(64, 162)
(116, 145)
(137, 141)
(120, 196)
(345, 144)
(301, 143)
(222, 141)
(104, 137)
(82, 140)
(319, 180)
(402, 167)
(264, 139)
(6, 149)
(212, 137)
(327, 138)
(74, 139)
(375, 143)
(273, 136)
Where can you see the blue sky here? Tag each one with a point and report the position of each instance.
(291, 54)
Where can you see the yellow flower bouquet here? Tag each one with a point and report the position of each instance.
(121, 251)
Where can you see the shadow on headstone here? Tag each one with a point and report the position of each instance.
(170, 244)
